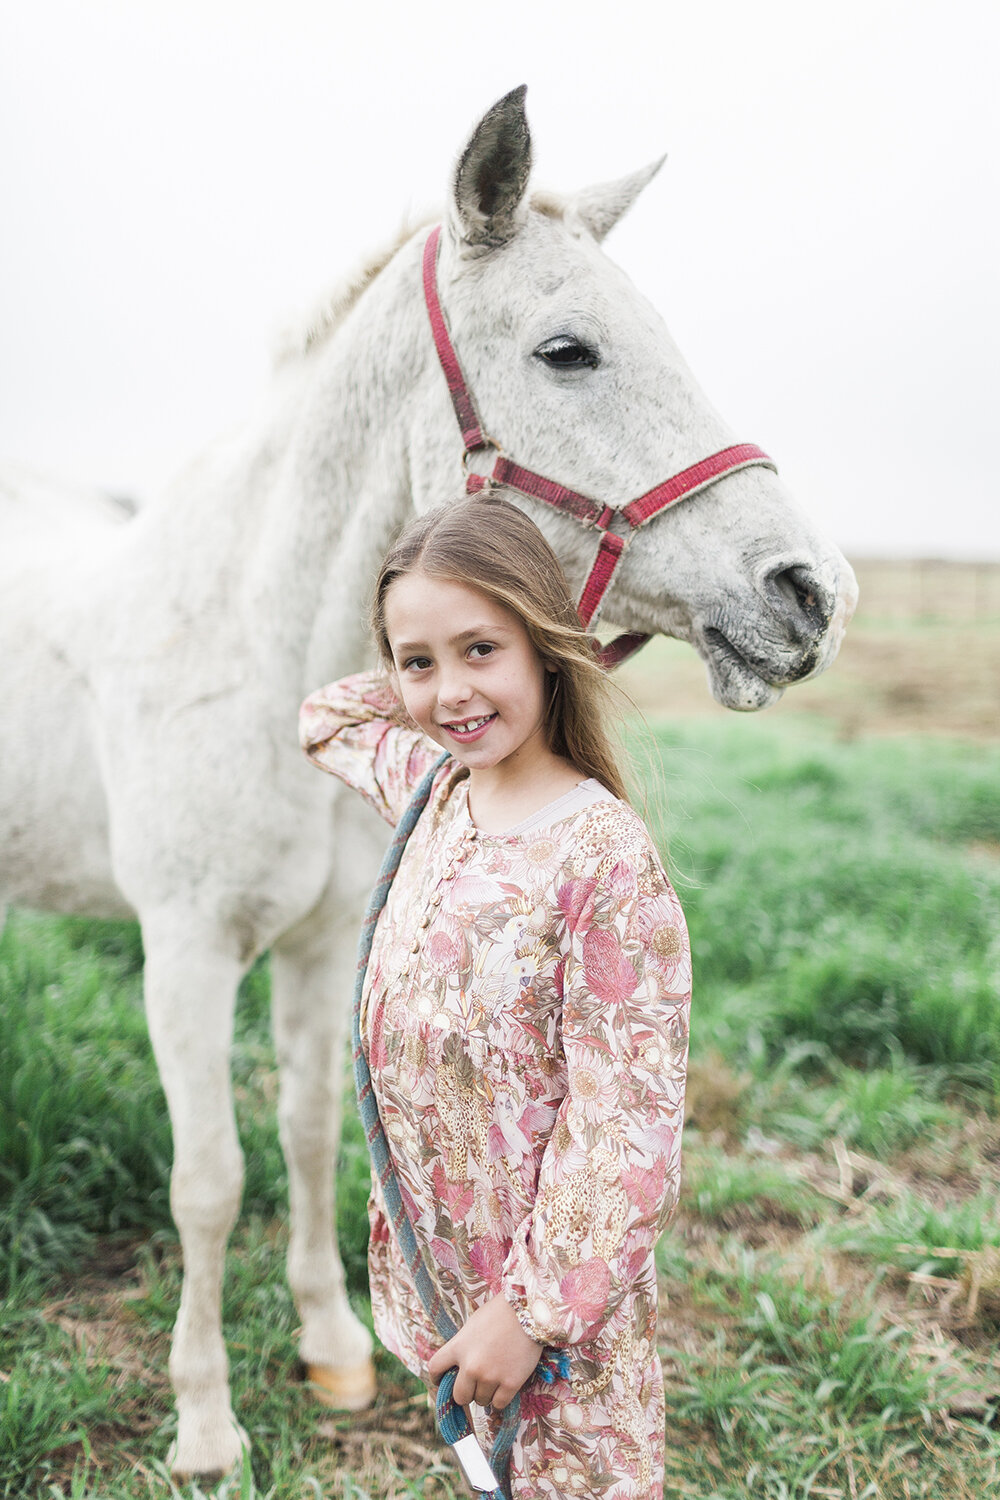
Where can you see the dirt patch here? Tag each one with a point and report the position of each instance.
(98, 1317)
(389, 1446)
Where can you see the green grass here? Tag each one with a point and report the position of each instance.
(833, 895)
(844, 907)
(724, 1189)
(84, 1144)
(844, 1361)
(907, 1230)
(84, 1135)
(783, 1385)
(810, 1096)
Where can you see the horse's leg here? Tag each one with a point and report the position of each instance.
(191, 978)
(311, 980)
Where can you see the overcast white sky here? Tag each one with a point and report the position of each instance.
(824, 241)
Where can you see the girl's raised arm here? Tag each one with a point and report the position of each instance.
(352, 729)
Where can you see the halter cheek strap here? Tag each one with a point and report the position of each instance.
(590, 513)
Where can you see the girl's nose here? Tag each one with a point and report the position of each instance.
(454, 689)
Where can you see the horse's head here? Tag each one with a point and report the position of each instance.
(575, 376)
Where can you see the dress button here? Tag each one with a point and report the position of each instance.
(436, 899)
(414, 946)
(404, 971)
(425, 920)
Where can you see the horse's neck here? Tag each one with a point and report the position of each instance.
(354, 488)
(293, 527)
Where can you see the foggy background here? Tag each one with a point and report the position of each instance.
(178, 181)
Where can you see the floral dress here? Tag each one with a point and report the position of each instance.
(525, 1017)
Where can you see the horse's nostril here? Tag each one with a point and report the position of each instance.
(802, 595)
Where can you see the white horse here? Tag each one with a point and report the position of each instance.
(153, 667)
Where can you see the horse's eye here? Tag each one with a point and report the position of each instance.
(567, 353)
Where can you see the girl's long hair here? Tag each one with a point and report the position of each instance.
(490, 544)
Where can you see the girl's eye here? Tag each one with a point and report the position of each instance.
(565, 352)
(416, 663)
(481, 649)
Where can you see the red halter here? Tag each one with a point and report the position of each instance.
(589, 512)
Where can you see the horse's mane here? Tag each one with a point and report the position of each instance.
(307, 333)
(300, 338)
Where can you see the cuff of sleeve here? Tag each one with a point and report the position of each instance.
(543, 1334)
(540, 1316)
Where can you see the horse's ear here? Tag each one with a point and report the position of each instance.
(600, 207)
(492, 174)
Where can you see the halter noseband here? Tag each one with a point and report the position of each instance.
(590, 513)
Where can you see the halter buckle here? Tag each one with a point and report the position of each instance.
(470, 453)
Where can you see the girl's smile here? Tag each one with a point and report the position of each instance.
(471, 728)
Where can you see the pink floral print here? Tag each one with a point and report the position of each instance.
(525, 1017)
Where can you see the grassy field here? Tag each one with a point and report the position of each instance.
(831, 1285)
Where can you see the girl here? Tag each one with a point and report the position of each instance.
(525, 1010)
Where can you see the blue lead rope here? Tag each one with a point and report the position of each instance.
(453, 1423)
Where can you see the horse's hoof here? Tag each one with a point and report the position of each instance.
(207, 1456)
(345, 1390)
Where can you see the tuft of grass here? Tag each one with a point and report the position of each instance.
(837, 1354)
(884, 1110)
(907, 1231)
(56, 1399)
(810, 1097)
(84, 1143)
(735, 1191)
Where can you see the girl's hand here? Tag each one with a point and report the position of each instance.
(493, 1353)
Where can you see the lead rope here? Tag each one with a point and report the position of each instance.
(452, 1421)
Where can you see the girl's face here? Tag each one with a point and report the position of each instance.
(467, 673)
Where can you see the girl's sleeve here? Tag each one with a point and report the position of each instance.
(349, 729)
(610, 1173)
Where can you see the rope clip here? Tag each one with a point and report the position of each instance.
(475, 1465)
